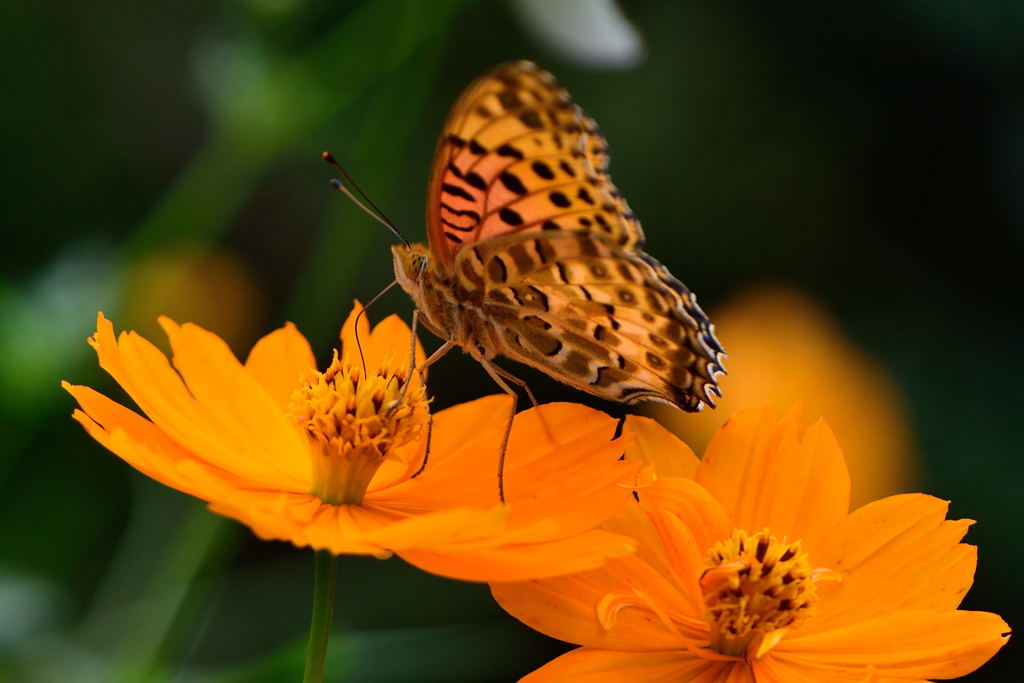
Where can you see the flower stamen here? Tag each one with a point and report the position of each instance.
(754, 587)
(354, 423)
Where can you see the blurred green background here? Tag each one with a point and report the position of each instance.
(164, 158)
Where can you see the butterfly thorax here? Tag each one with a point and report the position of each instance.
(450, 309)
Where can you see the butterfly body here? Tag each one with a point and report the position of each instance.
(451, 310)
(534, 255)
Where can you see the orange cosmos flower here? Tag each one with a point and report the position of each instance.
(326, 459)
(750, 568)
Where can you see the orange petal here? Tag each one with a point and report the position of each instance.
(688, 522)
(897, 553)
(359, 529)
(770, 669)
(919, 644)
(767, 476)
(570, 607)
(456, 429)
(702, 514)
(558, 449)
(390, 338)
(304, 521)
(392, 335)
(148, 378)
(146, 374)
(659, 448)
(449, 529)
(448, 437)
(350, 332)
(146, 448)
(563, 477)
(564, 466)
(519, 562)
(259, 441)
(587, 665)
(105, 345)
(281, 362)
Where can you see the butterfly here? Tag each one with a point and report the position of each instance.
(534, 255)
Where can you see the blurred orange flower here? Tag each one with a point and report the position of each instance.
(195, 282)
(784, 347)
(327, 459)
(751, 568)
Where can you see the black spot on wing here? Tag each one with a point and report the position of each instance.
(537, 322)
(509, 99)
(540, 298)
(475, 179)
(512, 182)
(559, 199)
(542, 170)
(507, 150)
(531, 119)
(497, 270)
(510, 216)
(455, 170)
(544, 251)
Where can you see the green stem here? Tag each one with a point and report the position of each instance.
(323, 608)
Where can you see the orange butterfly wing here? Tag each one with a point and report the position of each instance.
(516, 154)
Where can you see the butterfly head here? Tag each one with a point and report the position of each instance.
(410, 262)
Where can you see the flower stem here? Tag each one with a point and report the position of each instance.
(323, 607)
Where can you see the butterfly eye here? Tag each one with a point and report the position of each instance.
(414, 265)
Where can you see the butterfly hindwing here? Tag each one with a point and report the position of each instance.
(578, 307)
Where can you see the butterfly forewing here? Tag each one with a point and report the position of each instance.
(516, 155)
(536, 256)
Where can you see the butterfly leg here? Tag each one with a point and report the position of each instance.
(496, 374)
(412, 365)
(525, 387)
(515, 380)
(434, 357)
(426, 448)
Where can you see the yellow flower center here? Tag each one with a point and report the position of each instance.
(755, 586)
(354, 423)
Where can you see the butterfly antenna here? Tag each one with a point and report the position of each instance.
(360, 314)
(375, 213)
(329, 158)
